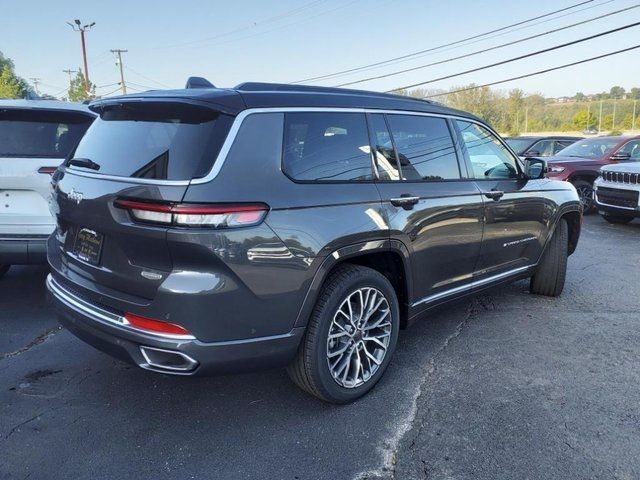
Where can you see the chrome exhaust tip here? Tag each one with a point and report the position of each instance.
(167, 361)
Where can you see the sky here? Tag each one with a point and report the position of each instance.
(287, 41)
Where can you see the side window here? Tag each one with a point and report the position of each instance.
(489, 158)
(324, 146)
(560, 144)
(384, 154)
(632, 148)
(543, 147)
(425, 147)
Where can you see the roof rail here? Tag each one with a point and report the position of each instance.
(199, 82)
(286, 87)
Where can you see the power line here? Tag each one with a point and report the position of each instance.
(520, 57)
(252, 25)
(409, 55)
(477, 52)
(145, 77)
(306, 19)
(539, 72)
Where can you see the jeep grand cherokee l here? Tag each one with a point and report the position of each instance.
(214, 230)
(35, 137)
(580, 163)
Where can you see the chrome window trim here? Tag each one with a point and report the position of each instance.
(470, 286)
(237, 124)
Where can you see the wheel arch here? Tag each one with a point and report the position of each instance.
(390, 258)
(572, 213)
(585, 175)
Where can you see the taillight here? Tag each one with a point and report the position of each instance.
(195, 215)
(47, 170)
(157, 326)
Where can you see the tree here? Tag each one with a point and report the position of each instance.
(580, 97)
(77, 90)
(584, 119)
(11, 85)
(634, 93)
(617, 92)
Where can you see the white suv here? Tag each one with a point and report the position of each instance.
(617, 190)
(35, 137)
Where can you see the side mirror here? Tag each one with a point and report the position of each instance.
(620, 156)
(534, 168)
(531, 153)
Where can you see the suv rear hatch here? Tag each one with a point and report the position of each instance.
(138, 151)
(33, 142)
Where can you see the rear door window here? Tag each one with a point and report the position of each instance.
(327, 146)
(425, 147)
(40, 133)
(164, 141)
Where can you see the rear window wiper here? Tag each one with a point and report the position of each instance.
(84, 163)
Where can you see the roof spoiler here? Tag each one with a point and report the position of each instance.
(199, 82)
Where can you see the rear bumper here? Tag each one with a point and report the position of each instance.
(101, 329)
(23, 250)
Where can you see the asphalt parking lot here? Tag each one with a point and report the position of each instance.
(504, 385)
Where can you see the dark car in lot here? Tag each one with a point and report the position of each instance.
(580, 163)
(213, 230)
(529, 146)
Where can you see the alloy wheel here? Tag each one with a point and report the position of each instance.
(585, 193)
(359, 337)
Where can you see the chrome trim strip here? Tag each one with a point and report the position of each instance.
(470, 286)
(191, 363)
(100, 315)
(615, 206)
(235, 128)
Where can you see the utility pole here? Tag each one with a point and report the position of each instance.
(613, 120)
(78, 27)
(633, 118)
(588, 114)
(70, 72)
(526, 119)
(600, 118)
(118, 54)
(35, 81)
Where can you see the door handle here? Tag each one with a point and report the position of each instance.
(494, 194)
(405, 201)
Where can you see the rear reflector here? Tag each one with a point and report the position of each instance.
(195, 215)
(156, 326)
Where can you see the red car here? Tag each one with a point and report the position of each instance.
(580, 163)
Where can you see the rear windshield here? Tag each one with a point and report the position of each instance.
(40, 133)
(165, 141)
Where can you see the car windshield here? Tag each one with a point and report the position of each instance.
(40, 133)
(591, 148)
(519, 145)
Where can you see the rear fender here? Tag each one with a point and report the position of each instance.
(344, 254)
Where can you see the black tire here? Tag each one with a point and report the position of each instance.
(550, 275)
(585, 192)
(4, 269)
(310, 368)
(621, 219)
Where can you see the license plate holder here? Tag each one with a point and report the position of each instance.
(88, 245)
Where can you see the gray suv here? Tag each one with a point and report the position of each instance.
(207, 230)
